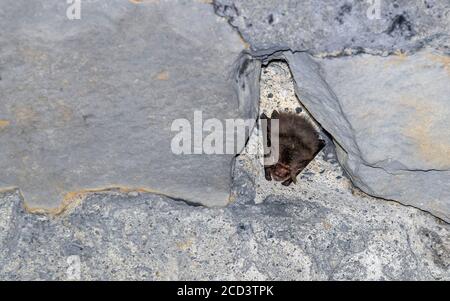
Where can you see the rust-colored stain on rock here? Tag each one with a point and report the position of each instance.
(185, 245)
(25, 115)
(163, 75)
(421, 128)
(4, 124)
(143, 1)
(397, 59)
(73, 199)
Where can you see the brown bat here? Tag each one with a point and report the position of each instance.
(299, 143)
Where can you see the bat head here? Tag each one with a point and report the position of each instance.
(281, 172)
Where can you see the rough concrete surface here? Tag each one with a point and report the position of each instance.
(323, 233)
(336, 27)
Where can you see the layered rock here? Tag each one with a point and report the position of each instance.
(389, 119)
(88, 104)
(377, 81)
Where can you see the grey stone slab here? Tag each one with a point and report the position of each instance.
(88, 104)
(334, 27)
(389, 119)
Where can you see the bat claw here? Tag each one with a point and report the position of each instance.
(267, 174)
(287, 182)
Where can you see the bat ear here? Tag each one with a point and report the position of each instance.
(275, 114)
(322, 144)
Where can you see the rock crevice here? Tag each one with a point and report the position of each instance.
(379, 87)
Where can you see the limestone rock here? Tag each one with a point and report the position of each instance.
(378, 83)
(88, 104)
(389, 118)
(332, 27)
(325, 233)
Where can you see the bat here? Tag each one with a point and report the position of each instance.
(299, 142)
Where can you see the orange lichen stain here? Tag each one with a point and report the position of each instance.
(143, 1)
(231, 199)
(7, 189)
(398, 58)
(326, 225)
(65, 113)
(246, 45)
(163, 75)
(25, 115)
(4, 124)
(444, 60)
(72, 200)
(32, 55)
(205, 1)
(184, 245)
(420, 130)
